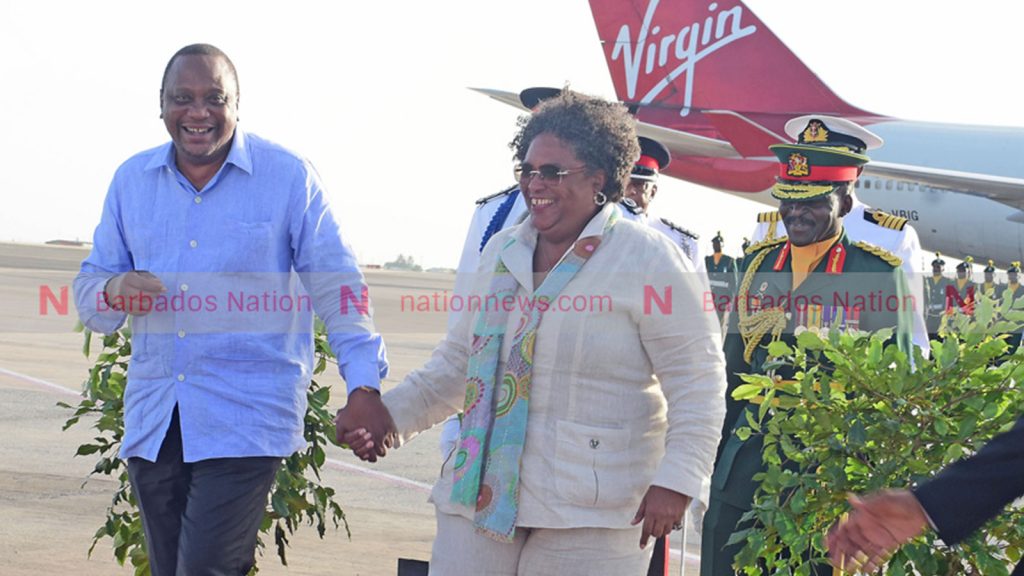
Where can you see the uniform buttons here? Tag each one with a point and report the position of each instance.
(594, 443)
(198, 199)
(181, 377)
(184, 287)
(181, 333)
(193, 243)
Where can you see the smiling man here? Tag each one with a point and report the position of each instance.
(216, 396)
(816, 279)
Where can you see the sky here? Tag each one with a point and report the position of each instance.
(376, 95)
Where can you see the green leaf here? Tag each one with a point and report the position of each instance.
(743, 433)
(86, 449)
(857, 436)
(279, 503)
(809, 341)
(954, 451)
(779, 348)
(746, 391)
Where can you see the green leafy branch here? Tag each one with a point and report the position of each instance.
(298, 496)
(859, 415)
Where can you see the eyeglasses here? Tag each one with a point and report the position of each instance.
(550, 173)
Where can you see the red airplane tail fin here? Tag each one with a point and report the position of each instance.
(693, 55)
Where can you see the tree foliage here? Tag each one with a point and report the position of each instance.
(860, 416)
(297, 497)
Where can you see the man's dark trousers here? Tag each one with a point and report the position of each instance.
(200, 518)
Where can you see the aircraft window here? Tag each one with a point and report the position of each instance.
(867, 183)
(899, 185)
(856, 184)
(888, 184)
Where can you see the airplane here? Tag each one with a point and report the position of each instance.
(709, 80)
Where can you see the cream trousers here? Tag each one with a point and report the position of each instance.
(460, 551)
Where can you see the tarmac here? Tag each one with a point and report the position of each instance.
(51, 506)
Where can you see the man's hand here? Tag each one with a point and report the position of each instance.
(365, 425)
(662, 511)
(133, 292)
(877, 526)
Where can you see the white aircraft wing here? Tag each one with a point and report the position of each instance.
(1002, 189)
(679, 143)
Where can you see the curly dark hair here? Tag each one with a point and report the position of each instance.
(602, 134)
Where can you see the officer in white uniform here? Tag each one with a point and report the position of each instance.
(643, 186)
(866, 224)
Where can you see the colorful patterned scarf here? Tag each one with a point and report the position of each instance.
(494, 417)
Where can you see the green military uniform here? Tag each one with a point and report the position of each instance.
(1012, 290)
(854, 286)
(960, 291)
(866, 271)
(721, 277)
(989, 287)
(935, 297)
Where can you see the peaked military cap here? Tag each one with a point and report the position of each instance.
(654, 157)
(991, 268)
(531, 97)
(938, 260)
(1014, 267)
(718, 237)
(828, 152)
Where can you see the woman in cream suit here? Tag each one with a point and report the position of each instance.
(590, 375)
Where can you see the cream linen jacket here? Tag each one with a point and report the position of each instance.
(628, 381)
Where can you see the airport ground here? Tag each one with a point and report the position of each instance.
(51, 507)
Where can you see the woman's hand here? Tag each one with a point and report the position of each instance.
(662, 511)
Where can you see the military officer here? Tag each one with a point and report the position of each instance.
(1013, 292)
(721, 276)
(876, 227)
(1012, 282)
(960, 292)
(816, 279)
(935, 297)
(643, 186)
(989, 286)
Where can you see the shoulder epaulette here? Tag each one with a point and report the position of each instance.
(679, 229)
(496, 195)
(767, 243)
(885, 220)
(890, 258)
(772, 216)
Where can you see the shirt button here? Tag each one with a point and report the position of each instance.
(181, 333)
(198, 199)
(181, 377)
(184, 287)
(193, 243)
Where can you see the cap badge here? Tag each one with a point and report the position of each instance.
(815, 132)
(797, 165)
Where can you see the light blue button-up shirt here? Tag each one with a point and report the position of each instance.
(246, 261)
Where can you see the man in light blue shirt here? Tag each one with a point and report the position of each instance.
(221, 246)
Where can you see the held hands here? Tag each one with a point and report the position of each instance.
(365, 425)
(661, 511)
(877, 526)
(133, 292)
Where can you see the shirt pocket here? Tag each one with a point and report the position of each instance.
(248, 246)
(591, 465)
